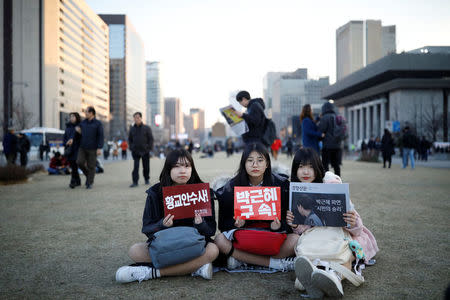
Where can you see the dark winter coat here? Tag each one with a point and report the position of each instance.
(91, 134)
(9, 143)
(225, 196)
(327, 125)
(387, 145)
(140, 139)
(310, 134)
(255, 119)
(152, 219)
(23, 144)
(409, 140)
(71, 133)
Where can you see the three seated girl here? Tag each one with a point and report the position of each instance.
(254, 170)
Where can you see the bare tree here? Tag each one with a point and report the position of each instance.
(433, 121)
(22, 117)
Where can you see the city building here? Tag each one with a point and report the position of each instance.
(55, 60)
(410, 88)
(155, 100)
(359, 43)
(290, 91)
(197, 133)
(173, 116)
(127, 74)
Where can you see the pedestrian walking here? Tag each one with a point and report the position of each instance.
(310, 132)
(254, 117)
(141, 143)
(23, 147)
(409, 146)
(115, 150)
(124, 147)
(72, 141)
(387, 148)
(290, 147)
(331, 142)
(91, 145)
(10, 146)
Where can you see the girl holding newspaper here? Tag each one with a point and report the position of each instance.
(307, 167)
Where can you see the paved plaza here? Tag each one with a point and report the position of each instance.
(63, 243)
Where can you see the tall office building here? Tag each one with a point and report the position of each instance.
(127, 74)
(359, 43)
(55, 60)
(198, 123)
(173, 116)
(268, 82)
(291, 91)
(155, 101)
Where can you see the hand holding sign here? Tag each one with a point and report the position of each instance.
(239, 222)
(257, 203)
(168, 220)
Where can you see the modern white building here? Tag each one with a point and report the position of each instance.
(410, 89)
(359, 43)
(290, 92)
(55, 60)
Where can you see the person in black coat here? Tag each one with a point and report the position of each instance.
(23, 148)
(331, 143)
(387, 148)
(140, 141)
(254, 170)
(254, 117)
(72, 144)
(10, 146)
(179, 169)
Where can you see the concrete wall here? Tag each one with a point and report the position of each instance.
(416, 109)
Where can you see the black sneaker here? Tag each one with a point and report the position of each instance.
(88, 186)
(133, 185)
(147, 181)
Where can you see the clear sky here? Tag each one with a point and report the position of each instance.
(209, 48)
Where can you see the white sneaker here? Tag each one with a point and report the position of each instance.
(298, 285)
(129, 274)
(205, 271)
(303, 271)
(288, 263)
(328, 282)
(233, 263)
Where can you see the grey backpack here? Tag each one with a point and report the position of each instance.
(176, 245)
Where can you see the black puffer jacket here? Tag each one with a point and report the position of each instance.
(225, 196)
(71, 133)
(152, 219)
(255, 119)
(327, 125)
(140, 139)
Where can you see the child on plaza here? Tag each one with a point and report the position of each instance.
(307, 167)
(179, 169)
(254, 170)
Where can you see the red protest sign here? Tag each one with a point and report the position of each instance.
(183, 201)
(257, 203)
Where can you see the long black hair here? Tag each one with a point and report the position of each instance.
(307, 156)
(77, 117)
(171, 160)
(241, 178)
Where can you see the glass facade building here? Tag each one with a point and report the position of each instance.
(155, 102)
(128, 78)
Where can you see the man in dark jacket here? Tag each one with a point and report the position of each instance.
(10, 146)
(409, 146)
(140, 140)
(24, 146)
(91, 145)
(254, 117)
(331, 144)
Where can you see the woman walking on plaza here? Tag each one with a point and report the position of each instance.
(72, 143)
(310, 132)
(179, 169)
(387, 148)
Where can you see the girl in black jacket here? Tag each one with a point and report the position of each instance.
(254, 170)
(178, 169)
